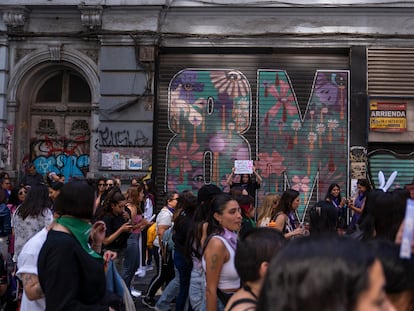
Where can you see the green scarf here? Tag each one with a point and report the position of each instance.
(80, 230)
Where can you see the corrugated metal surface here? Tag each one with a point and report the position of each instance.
(388, 161)
(312, 148)
(391, 72)
(300, 65)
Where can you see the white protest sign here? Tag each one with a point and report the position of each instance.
(243, 166)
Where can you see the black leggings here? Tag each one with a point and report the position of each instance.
(165, 273)
(144, 247)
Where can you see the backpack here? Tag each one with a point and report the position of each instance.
(151, 235)
(167, 240)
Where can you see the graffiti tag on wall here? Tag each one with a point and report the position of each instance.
(69, 157)
(122, 138)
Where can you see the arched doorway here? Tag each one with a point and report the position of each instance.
(52, 113)
(60, 123)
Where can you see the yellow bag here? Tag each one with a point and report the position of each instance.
(151, 235)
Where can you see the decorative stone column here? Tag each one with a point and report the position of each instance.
(15, 18)
(91, 16)
(9, 138)
(94, 150)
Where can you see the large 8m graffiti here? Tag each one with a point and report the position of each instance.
(210, 110)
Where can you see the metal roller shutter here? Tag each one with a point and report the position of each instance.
(388, 161)
(300, 65)
(391, 72)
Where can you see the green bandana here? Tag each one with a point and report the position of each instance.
(80, 230)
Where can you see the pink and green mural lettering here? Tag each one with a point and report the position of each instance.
(208, 112)
(308, 151)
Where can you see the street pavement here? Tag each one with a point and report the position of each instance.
(141, 284)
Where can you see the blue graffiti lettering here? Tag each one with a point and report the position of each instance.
(68, 165)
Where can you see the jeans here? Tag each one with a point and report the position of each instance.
(119, 260)
(220, 305)
(169, 293)
(184, 267)
(4, 247)
(197, 290)
(132, 258)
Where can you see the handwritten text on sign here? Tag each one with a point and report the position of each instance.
(243, 166)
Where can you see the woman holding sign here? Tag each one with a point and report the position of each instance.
(245, 180)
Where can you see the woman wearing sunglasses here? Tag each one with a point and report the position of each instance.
(100, 194)
(31, 216)
(16, 198)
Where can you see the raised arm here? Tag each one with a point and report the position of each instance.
(259, 178)
(230, 178)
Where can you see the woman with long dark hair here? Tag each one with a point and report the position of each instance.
(31, 216)
(183, 263)
(246, 182)
(357, 204)
(16, 198)
(329, 215)
(118, 227)
(199, 229)
(284, 214)
(222, 279)
(100, 193)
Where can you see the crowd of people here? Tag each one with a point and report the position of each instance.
(79, 244)
(57, 234)
(241, 257)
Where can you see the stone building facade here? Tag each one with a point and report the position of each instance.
(181, 89)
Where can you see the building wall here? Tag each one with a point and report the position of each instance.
(114, 45)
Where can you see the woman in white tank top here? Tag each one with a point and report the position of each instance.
(218, 257)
